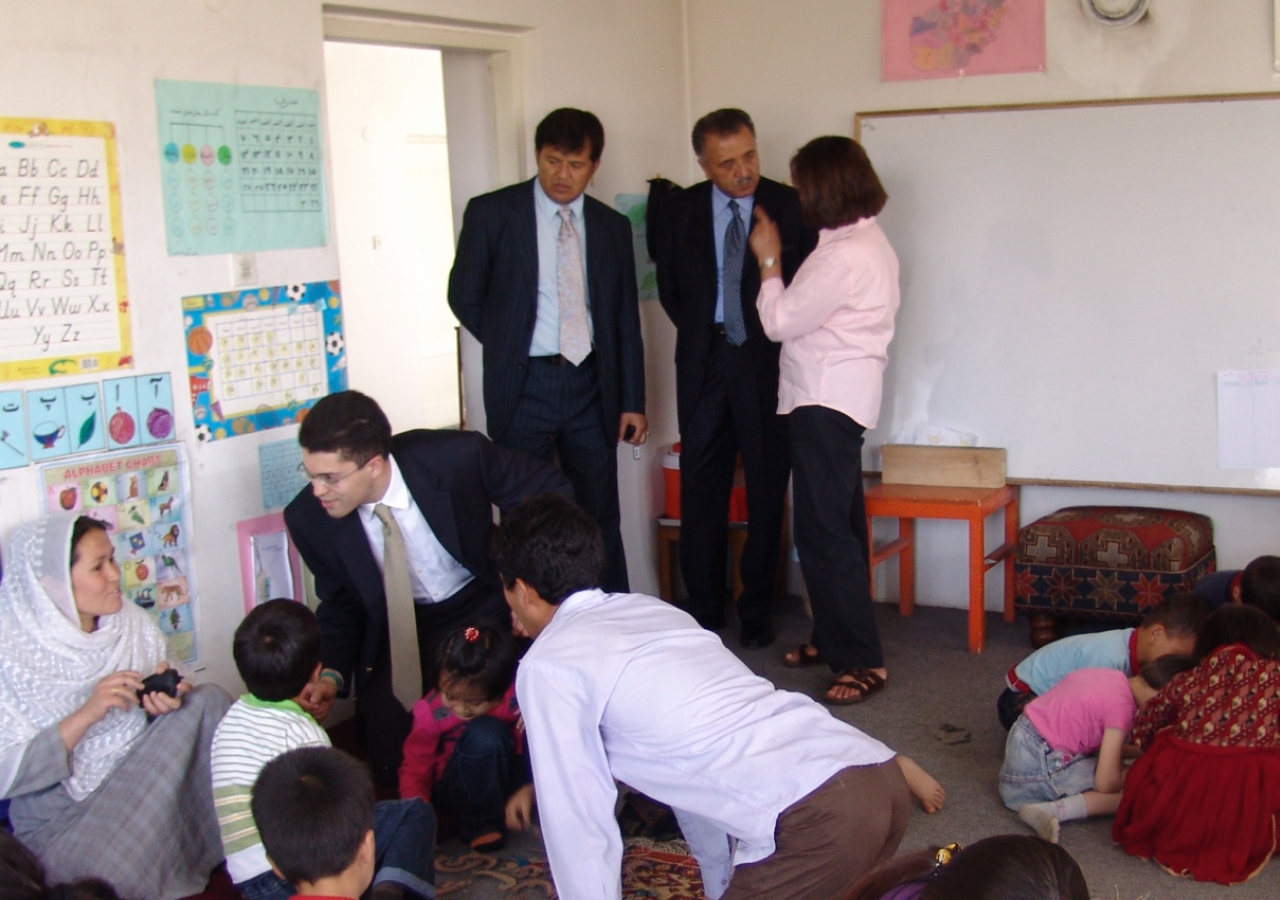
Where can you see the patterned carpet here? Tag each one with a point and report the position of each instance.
(651, 870)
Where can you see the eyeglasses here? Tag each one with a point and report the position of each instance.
(328, 479)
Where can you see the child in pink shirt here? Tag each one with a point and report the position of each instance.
(1062, 759)
(465, 754)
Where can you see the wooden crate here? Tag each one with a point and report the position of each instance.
(982, 467)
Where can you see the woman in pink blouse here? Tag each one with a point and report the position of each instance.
(835, 322)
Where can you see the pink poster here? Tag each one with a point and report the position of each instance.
(951, 38)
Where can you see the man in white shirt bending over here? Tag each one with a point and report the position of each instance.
(776, 798)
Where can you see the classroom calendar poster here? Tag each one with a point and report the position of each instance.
(143, 497)
(64, 309)
(261, 358)
(240, 167)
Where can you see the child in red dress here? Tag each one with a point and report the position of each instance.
(465, 753)
(1203, 798)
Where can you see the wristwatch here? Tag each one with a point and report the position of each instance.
(768, 261)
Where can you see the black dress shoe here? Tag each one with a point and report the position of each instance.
(757, 637)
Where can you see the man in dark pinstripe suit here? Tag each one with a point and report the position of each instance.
(544, 277)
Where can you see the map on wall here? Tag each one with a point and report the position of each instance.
(953, 38)
(261, 358)
(633, 206)
(241, 167)
(64, 309)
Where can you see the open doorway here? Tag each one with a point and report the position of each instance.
(392, 201)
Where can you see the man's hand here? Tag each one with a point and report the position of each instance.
(639, 426)
(520, 809)
(317, 698)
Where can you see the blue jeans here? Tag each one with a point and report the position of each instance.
(482, 773)
(1033, 772)
(404, 837)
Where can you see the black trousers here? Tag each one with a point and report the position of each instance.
(382, 723)
(831, 536)
(729, 420)
(560, 414)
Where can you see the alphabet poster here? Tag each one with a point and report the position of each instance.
(64, 309)
(143, 497)
(241, 167)
(261, 358)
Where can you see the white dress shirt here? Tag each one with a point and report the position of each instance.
(546, 327)
(433, 573)
(627, 687)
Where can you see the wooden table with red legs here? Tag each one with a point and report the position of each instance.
(908, 502)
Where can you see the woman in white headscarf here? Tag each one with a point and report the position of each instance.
(103, 784)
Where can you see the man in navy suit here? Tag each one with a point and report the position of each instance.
(544, 278)
(726, 368)
(440, 487)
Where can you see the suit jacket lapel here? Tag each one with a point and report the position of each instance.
(524, 239)
(353, 549)
(703, 231)
(436, 506)
(598, 260)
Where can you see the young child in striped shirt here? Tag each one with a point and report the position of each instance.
(277, 652)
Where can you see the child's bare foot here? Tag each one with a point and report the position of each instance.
(489, 841)
(924, 787)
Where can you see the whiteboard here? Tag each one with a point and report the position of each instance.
(1073, 277)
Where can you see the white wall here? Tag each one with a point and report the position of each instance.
(813, 64)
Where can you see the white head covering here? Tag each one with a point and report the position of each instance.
(49, 666)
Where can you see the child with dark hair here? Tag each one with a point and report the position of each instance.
(23, 878)
(1258, 584)
(465, 753)
(277, 652)
(1203, 798)
(1003, 867)
(1062, 760)
(315, 811)
(1170, 628)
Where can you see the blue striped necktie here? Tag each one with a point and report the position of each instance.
(735, 242)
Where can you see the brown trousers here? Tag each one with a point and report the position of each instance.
(831, 838)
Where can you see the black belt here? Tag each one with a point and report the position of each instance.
(718, 328)
(559, 360)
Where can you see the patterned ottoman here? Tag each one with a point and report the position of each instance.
(1107, 562)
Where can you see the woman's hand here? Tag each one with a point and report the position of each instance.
(766, 244)
(118, 690)
(157, 704)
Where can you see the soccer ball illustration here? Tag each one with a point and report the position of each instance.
(203, 434)
(295, 291)
(333, 343)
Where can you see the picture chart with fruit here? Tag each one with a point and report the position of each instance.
(64, 309)
(261, 358)
(142, 496)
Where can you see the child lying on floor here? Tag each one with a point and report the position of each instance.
(1170, 628)
(1050, 773)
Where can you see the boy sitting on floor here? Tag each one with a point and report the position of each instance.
(1257, 584)
(1170, 628)
(314, 808)
(277, 652)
